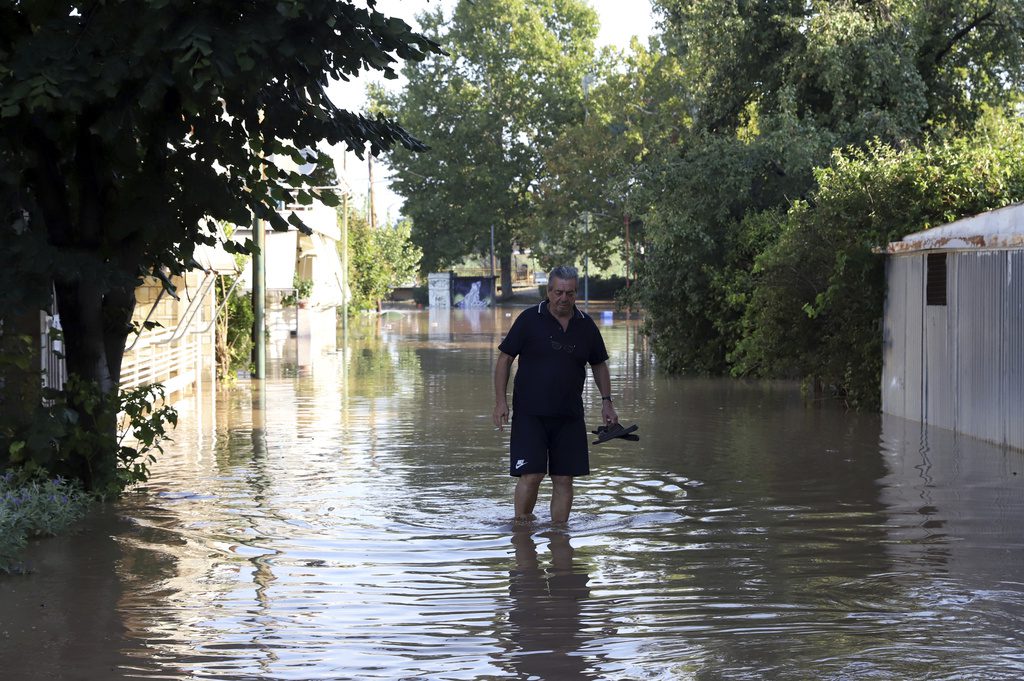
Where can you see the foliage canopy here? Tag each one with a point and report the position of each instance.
(817, 308)
(128, 129)
(783, 97)
(489, 111)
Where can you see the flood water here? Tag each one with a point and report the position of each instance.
(354, 523)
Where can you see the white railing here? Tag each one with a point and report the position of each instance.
(174, 353)
(173, 365)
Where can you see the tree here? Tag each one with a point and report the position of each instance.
(817, 310)
(379, 260)
(775, 88)
(511, 82)
(860, 69)
(633, 110)
(128, 129)
(234, 339)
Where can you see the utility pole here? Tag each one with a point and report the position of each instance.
(259, 299)
(372, 217)
(587, 80)
(259, 289)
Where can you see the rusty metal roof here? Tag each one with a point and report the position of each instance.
(998, 229)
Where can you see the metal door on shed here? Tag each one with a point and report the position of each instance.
(979, 330)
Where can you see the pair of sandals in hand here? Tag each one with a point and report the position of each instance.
(605, 433)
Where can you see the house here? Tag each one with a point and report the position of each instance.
(953, 328)
(180, 351)
(305, 286)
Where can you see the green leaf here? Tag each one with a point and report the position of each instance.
(17, 451)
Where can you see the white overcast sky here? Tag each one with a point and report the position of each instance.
(620, 21)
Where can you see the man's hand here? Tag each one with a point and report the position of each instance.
(604, 384)
(500, 414)
(608, 413)
(501, 371)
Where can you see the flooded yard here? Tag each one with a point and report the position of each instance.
(354, 523)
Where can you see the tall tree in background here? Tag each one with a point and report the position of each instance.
(858, 69)
(489, 110)
(127, 129)
(634, 110)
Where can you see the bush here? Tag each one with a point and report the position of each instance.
(106, 441)
(602, 288)
(421, 295)
(816, 306)
(379, 261)
(36, 507)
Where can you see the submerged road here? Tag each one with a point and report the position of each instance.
(354, 523)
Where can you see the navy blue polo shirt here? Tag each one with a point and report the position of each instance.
(552, 362)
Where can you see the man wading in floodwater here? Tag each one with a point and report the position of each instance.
(554, 342)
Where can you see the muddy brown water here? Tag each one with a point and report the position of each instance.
(353, 523)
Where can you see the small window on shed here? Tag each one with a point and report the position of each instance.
(935, 284)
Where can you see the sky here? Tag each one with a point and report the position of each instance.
(620, 21)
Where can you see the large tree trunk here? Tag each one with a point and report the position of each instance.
(95, 326)
(118, 309)
(80, 305)
(506, 275)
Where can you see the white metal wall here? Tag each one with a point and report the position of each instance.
(980, 333)
(51, 349)
(958, 366)
(1013, 349)
(902, 331)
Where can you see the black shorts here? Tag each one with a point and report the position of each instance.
(548, 444)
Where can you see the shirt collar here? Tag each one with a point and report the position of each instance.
(543, 305)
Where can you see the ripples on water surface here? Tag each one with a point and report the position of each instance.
(357, 527)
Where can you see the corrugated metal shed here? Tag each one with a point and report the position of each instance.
(1013, 348)
(953, 350)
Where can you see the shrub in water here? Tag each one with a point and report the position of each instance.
(34, 508)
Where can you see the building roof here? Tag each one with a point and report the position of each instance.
(1002, 228)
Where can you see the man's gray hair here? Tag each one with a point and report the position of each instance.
(564, 272)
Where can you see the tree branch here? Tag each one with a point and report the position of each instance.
(961, 34)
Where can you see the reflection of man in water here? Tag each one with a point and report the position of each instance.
(554, 342)
(546, 606)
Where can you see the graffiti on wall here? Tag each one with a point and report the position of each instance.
(472, 292)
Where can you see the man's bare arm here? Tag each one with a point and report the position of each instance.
(603, 379)
(502, 369)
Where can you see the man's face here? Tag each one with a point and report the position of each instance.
(561, 295)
